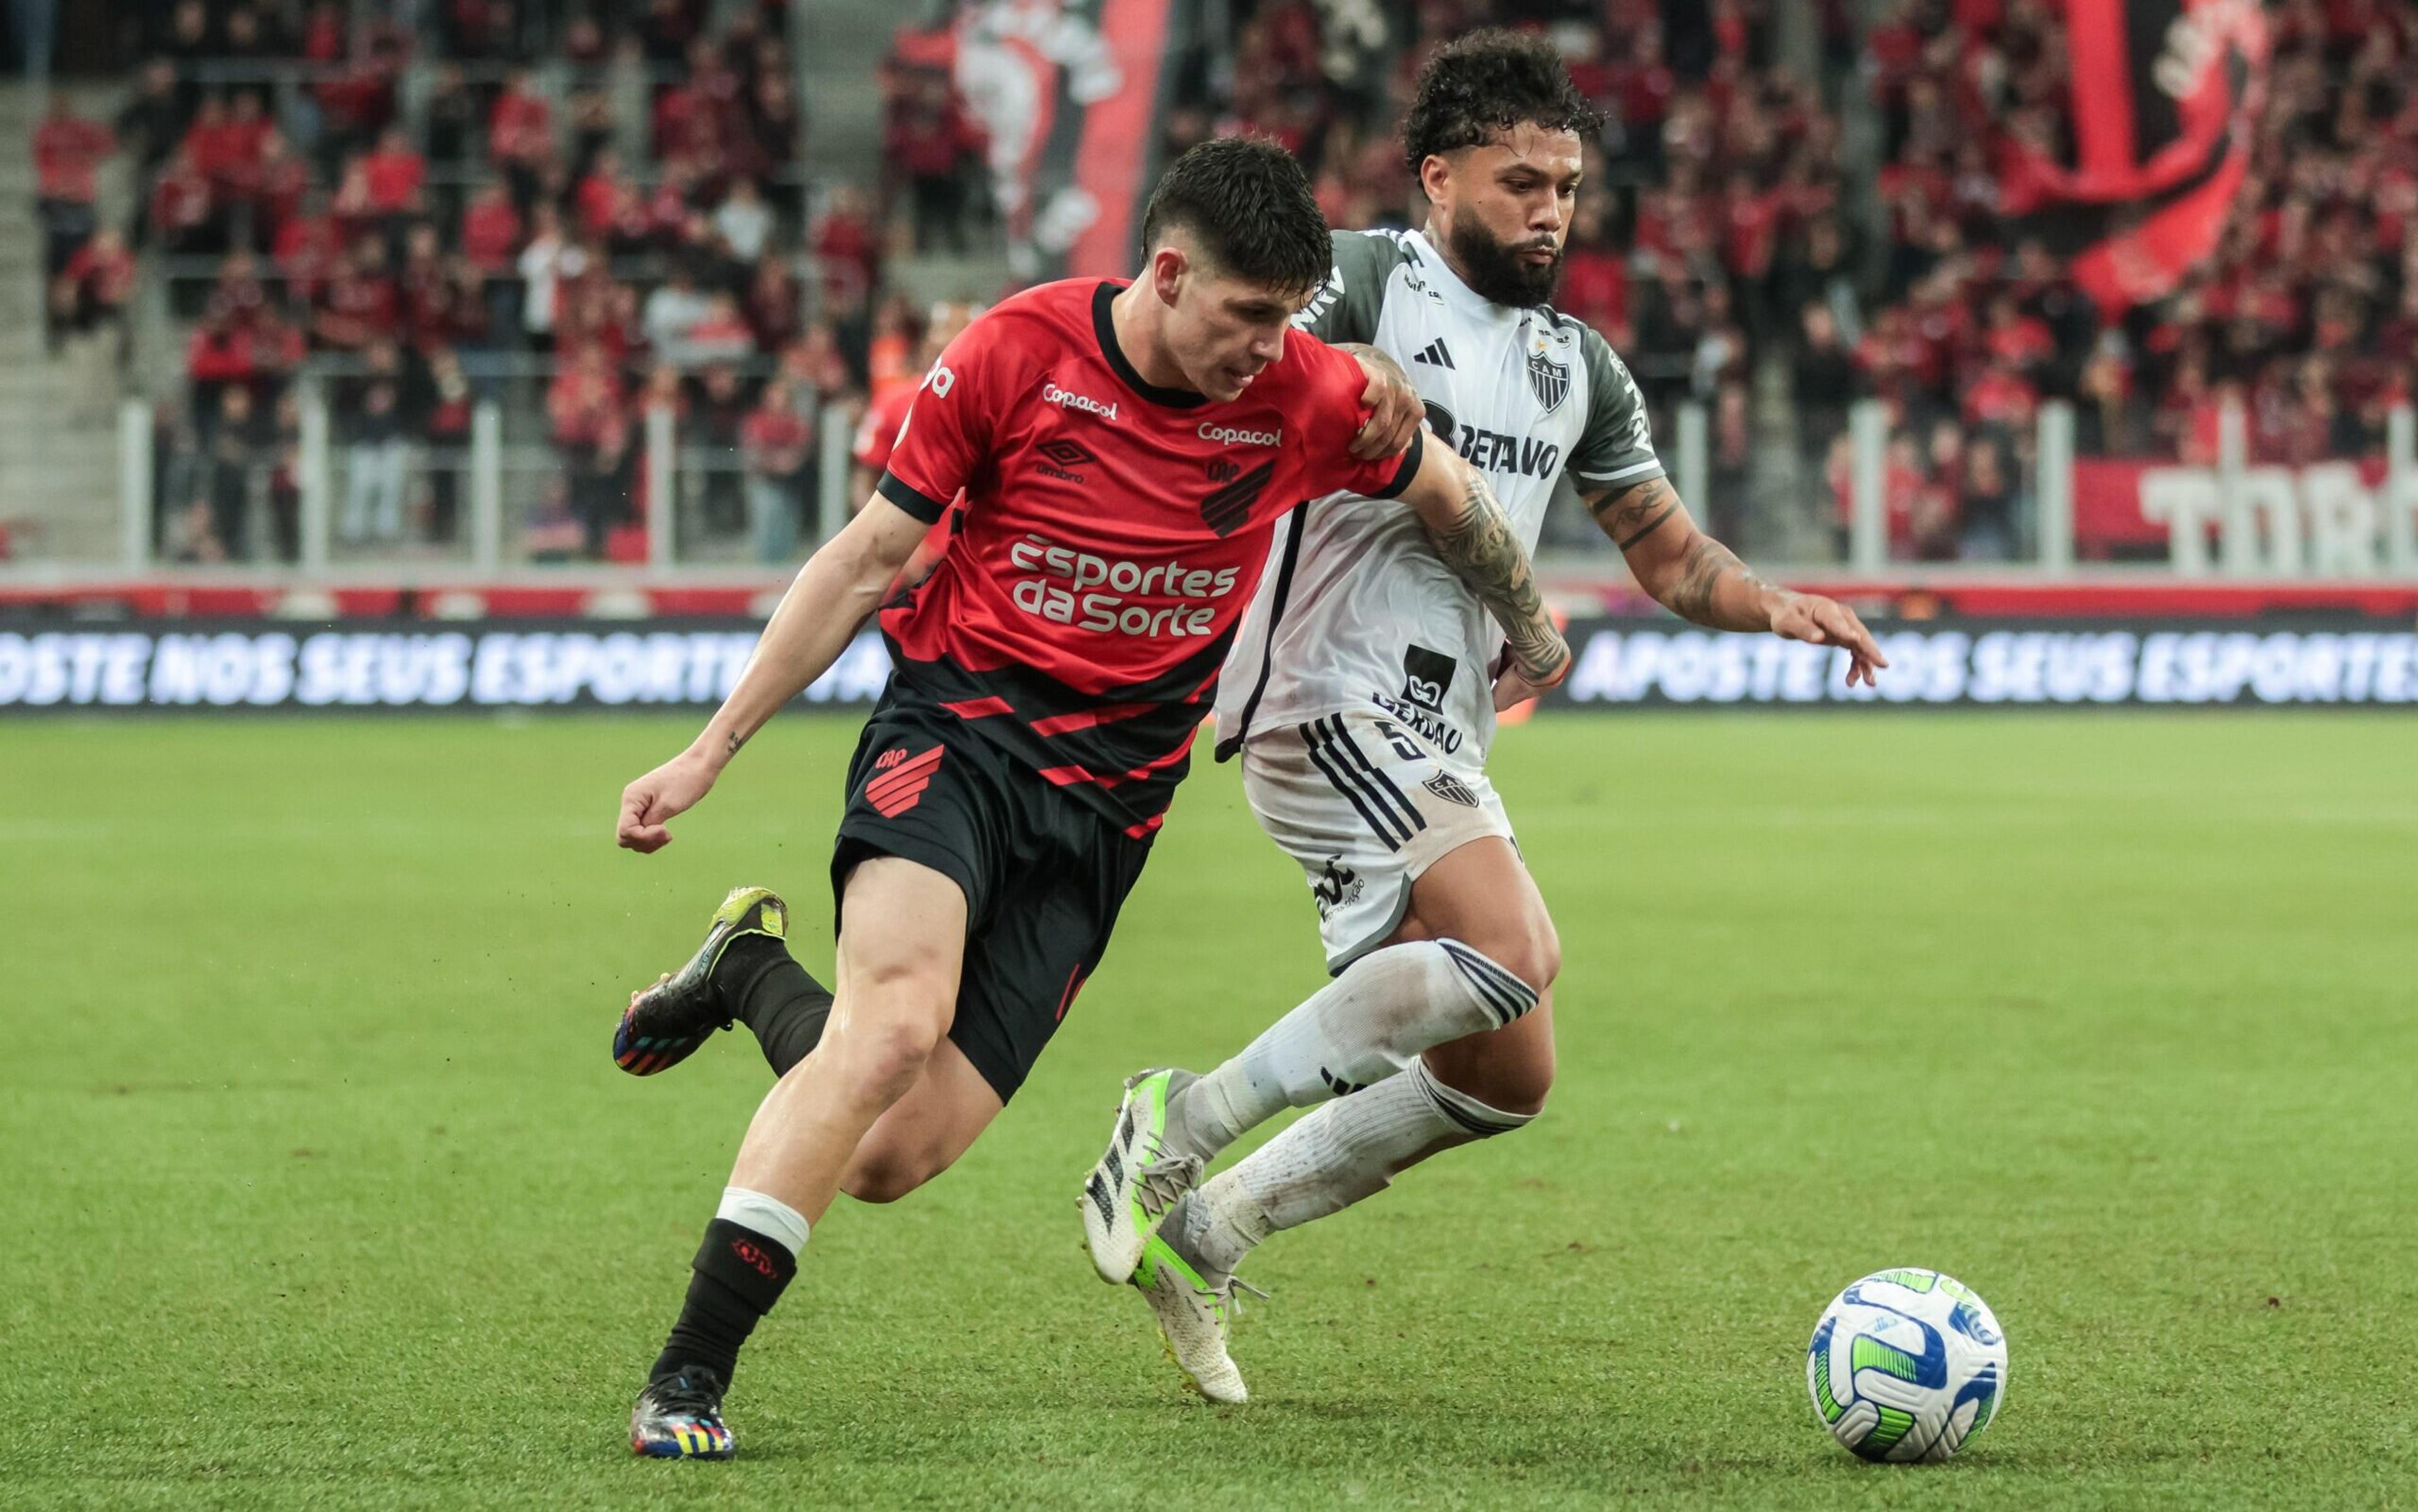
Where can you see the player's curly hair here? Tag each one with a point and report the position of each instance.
(1488, 81)
(1247, 207)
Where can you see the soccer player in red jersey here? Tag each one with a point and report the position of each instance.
(1124, 452)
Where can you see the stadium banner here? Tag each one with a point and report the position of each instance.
(240, 667)
(2163, 99)
(2327, 519)
(1071, 98)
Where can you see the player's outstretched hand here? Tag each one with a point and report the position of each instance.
(648, 805)
(1810, 617)
(1396, 410)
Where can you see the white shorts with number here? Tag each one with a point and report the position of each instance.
(1365, 805)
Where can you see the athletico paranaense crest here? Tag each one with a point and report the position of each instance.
(1550, 379)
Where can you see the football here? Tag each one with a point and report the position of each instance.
(1906, 1366)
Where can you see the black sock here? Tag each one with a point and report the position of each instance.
(739, 1273)
(765, 989)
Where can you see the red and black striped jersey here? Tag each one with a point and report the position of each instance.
(1111, 535)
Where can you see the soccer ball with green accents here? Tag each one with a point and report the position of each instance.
(1907, 1365)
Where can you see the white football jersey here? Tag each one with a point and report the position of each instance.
(1356, 608)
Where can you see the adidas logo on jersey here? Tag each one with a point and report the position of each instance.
(1434, 355)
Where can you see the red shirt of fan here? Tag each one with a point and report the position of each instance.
(1112, 534)
(877, 432)
(395, 179)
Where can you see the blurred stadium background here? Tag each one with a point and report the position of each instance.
(498, 354)
(1970, 311)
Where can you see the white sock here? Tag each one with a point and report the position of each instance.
(769, 1217)
(1355, 1031)
(1351, 1148)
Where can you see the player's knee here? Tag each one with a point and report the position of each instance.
(886, 1052)
(1528, 948)
(887, 1175)
(1536, 958)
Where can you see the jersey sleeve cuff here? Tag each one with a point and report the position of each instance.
(1636, 472)
(1409, 469)
(907, 496)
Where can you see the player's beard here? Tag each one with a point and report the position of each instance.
(1494, 270)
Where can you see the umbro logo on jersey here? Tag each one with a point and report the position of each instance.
(1225, 510)
(1058, 457)
(1434, 355)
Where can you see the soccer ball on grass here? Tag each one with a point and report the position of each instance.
(1907, 1365)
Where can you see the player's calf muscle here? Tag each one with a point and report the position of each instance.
(1509, 1068)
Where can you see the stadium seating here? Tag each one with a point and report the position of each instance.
(1790, 212)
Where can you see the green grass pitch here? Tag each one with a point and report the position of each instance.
(321, 1190)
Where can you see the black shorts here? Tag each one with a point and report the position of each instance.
(1043, 874)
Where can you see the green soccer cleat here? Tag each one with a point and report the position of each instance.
(666, 1023)
(1193, 1317)
(1136, 1181)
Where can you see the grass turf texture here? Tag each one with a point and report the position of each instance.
(321, 1189)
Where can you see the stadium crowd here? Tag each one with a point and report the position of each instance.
(613, 207)
(618, 195)
(2307, 316)
(1721, 232)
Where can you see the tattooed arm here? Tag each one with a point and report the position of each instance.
(1469, 530)
(1698, 578)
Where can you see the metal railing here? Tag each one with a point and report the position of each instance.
(2236, 519)
(509, 508)
(2233, 519)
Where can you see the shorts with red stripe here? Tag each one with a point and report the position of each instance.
(1043, 873)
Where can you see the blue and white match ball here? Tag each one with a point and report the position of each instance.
(1906, 1366)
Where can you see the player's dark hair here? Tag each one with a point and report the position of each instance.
(1246, 207)
(1489, 80)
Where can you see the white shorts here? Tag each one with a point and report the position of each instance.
(1365, 805)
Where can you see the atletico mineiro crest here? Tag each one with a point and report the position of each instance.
(1550, 379)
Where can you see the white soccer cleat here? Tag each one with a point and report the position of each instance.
(1192, 1316)
(1136, 1181)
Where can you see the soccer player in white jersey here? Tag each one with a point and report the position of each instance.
(1360, 699)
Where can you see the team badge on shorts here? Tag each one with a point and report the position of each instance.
(899, 780)
(1451, 790)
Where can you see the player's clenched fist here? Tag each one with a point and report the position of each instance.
(650, 803)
